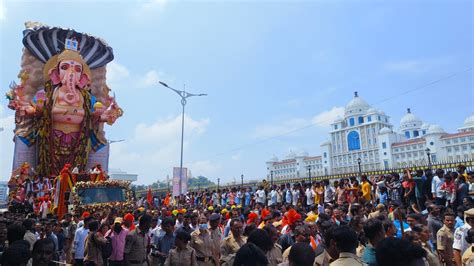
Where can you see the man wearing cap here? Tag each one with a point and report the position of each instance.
(460, 244)
(128, 221)
(233, 242)
(117, 235)
(216, 235)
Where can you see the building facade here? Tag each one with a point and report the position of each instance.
(364, 139)
(294, 166)
(118, 174)
(3, 191)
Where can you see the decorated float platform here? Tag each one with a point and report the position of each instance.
(62, 103)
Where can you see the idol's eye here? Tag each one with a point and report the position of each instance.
(78, 68)
(64, 66)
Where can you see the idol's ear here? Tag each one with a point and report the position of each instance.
(54, 76)
(83, 81)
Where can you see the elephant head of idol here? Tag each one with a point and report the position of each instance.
(69, 71)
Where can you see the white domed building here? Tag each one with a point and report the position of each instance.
(354, 137)
(295, 165)
(366, 135)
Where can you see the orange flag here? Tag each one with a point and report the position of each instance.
(167, 199)
(149, 197)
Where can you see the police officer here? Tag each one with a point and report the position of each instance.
(201, 242)
(445, 238)
(216, 235)
(136, 243)
(460, 244)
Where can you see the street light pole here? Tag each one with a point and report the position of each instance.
(428, 153)
(242, 181)
(359, 161)
(271, 178)
(184, 96)
(218, 180)
(309, 173)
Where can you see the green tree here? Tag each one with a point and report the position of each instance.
(199, 181)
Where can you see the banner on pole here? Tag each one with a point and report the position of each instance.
(184, 181)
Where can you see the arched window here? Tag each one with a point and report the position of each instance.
(361, 120)
(407, 134)
(353, 141)
(416, 133)
(351, 121)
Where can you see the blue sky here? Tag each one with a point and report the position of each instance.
(269, 67)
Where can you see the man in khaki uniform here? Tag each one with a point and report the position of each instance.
(216, 235)
(445, 239)
(136, 242)
(233, 242)
(274, 256)
(201, 242)
(346, 243)
(182, 255)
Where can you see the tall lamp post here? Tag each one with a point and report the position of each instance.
(309, 173)
(241, 181)
(428, 153)
(359, 161)
(218, 180)
(271, 178)
(184, 96)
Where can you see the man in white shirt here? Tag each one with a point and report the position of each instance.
(295, 192)
(80, 242)
(309, 195)
(329, 192)
(436, 183)
(261, 195)
(460, 244)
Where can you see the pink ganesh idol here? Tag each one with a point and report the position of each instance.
(63, 100)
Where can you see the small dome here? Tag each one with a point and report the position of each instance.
(291, 155)
(435, 129)
(327, 142)
(303, 154)
(469, 122)
(372, 111)
(274, 159)
(338, 119)
(425, 126)
(410, 120)
(385, 130)
(356, 105)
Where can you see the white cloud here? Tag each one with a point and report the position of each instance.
(155, 3)
(266, 131)
(3, 10)
(151, 78)
(116, 72)
(325, 118)
(415, 65)
(7, 124)
(204, 168)
(292, 126)
(170, 129)
(237, 156)
(119, 76)
(154, 149)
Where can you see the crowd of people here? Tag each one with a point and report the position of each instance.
(410, 218)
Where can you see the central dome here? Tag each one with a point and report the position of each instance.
(356, 105)
(469, 122)
(410, 120)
